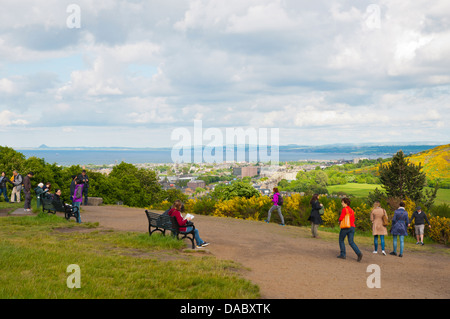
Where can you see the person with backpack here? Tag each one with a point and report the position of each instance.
(17, 181)
(77, 197)
(277, 200)
(315, 218)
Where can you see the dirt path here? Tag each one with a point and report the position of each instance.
(286, 263)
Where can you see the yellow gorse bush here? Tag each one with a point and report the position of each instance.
(331, 215)
(440, 229)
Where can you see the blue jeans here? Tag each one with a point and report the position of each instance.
(3, 190)
(375, 242)
(198, 240)
(402, 243)
(350, 232)
(77, 204)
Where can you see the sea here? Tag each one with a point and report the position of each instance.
(111, 157)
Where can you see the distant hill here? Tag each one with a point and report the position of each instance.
(435, 161)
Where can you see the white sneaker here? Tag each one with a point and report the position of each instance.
(375, 252)
(383, 252)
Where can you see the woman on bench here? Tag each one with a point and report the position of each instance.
(184, 223)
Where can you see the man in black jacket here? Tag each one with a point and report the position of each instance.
(3, 181)
(27, 191)
(420, 218)
(85, 180)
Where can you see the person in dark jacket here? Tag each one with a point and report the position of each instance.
(419, 226)
(39, 190)
(399, 228)
(85, 180)
(27, 191)
(72, 186)
(3, 181)
(315, 217)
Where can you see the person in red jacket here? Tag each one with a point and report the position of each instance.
(350, 231)
(182, 222)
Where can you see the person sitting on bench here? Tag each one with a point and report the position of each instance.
(184, 223)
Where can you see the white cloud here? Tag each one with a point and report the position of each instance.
(305, 67)
(8, 118)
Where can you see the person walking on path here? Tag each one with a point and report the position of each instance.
(77, 197)
(3, 181)
(27, 191)
(378, 227)
(315, 217)
(399, 228)
(276, 205)
(347, 230)
(419, 227)
(17, 182)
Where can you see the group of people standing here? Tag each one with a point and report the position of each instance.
(78, 189)
(378, 217)
(18, 183)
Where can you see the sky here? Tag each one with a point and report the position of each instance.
(129, 73)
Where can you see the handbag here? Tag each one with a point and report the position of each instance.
(385, 219)
(345, 222)
(322, 211)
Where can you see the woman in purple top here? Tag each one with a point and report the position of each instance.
(78, 197)
(276, 205)
(399, 228)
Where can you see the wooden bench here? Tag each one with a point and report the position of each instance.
(163, 222)
(53, 206)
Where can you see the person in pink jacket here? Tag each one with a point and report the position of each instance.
(276, 205)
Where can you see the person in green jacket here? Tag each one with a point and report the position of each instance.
(39, 191)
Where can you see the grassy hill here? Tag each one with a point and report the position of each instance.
(435, 162)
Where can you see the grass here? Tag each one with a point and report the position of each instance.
(35, 252)
(362, 190)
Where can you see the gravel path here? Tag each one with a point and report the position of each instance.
(287, 263)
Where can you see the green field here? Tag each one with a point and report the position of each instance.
(362, 190)
(35, 252)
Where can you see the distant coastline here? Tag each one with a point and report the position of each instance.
(115, 155)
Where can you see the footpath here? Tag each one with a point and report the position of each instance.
(286, 263)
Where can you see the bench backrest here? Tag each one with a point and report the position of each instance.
(160, 220)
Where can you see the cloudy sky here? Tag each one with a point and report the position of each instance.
(128, 73)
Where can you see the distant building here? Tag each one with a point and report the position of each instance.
(248, 171)
(197, 183)
(357, 160)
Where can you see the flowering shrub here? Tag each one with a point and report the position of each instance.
(296, 210)
(440, 229)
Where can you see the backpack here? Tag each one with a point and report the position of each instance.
(79, 192)
(280, 200)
